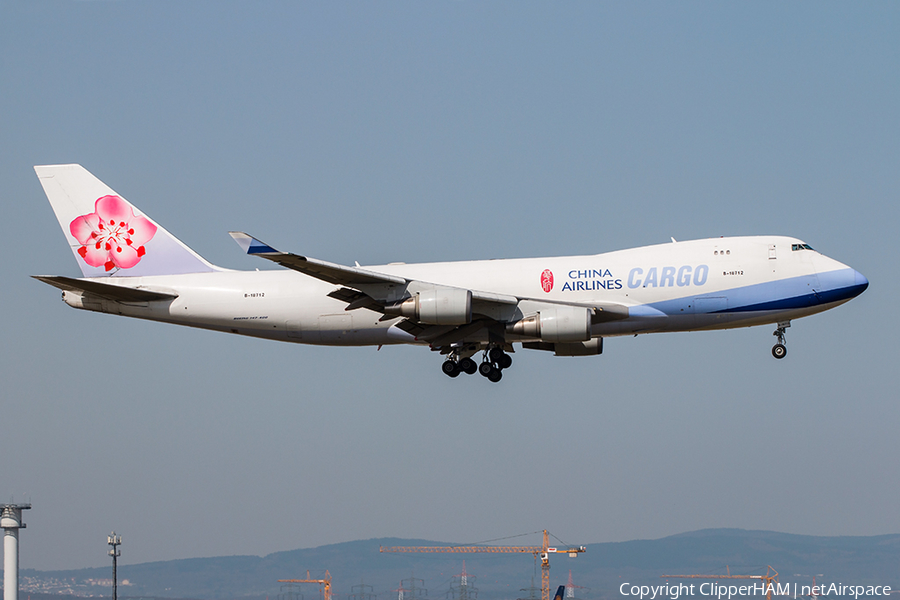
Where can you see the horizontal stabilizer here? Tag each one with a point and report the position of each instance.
(109, 291)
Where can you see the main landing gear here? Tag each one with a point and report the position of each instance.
(493, 362)
(779, 350)
(464, 365)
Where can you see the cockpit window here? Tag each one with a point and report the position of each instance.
(796, 247)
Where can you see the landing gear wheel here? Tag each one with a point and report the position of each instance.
(450, 368)
(505, 361)
(495, 375)
(467, 366)
(495, 354)
(485, 368)
(779, 350)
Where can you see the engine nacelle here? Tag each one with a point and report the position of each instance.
(436, 306)
(555, 324)
(591, 347)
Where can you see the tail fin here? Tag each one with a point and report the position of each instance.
(107, 234)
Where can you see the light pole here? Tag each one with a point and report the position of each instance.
(11, 523)
(114, 541)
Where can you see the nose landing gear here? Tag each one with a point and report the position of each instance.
(779, 350)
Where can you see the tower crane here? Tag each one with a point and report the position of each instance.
(325, 582)
(769, 578)
(543, 551)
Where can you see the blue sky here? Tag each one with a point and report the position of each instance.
(412, 132)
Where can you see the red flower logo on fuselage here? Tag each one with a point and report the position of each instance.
(547, 280)
(112, 236)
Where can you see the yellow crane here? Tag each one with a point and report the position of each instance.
(325, 582)
(543, 551)
(769, 578)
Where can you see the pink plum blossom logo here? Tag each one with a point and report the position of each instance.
(112, 236)
(547, 280)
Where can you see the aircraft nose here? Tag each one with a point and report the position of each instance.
(841, 285)
(860, 282)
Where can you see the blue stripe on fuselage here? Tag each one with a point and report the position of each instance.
(782, 294)
(803, 301)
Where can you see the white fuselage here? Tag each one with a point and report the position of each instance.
(704, 284)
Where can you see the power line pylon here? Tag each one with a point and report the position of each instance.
(290, 591)
(543, 551)
(362, 592)
(571, 587)
(325, 582)
(466, 589)
(410, 590)
(769, 578)
(530, 590)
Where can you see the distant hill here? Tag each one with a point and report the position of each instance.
(858, 560)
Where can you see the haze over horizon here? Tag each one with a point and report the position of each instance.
(596, 573)
(447, 131)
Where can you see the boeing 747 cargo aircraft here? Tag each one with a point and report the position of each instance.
(132, 266)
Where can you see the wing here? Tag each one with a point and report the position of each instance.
(479, 316)
(354, 277)
(326, 271)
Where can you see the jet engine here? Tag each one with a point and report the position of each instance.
(555, 324)
(436, 306)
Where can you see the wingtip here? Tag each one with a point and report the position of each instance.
(250, 244)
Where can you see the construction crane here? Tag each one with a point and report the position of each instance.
(325, 582)
(769, 578)
(543, 551)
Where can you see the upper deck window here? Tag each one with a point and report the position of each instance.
(796, 247)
